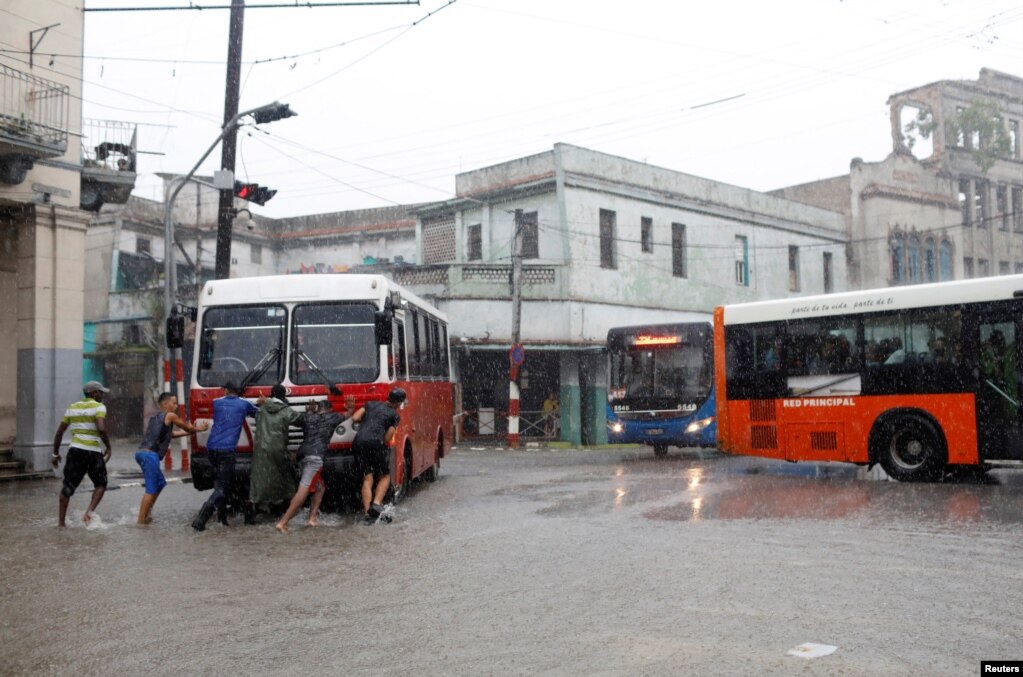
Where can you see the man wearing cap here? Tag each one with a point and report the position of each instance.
(379, 422)
(86, 419)
(229, 413)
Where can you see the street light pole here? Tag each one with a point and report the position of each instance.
(266, 113)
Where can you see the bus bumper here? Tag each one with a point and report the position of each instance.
(339, 473)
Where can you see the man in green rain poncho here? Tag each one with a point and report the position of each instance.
(272, 478)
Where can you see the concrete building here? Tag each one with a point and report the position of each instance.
(606, 242)
(943, 205)
(54, 171)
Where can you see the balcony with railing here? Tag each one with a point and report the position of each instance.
(108, 162)
(33, 122)
(482, 280)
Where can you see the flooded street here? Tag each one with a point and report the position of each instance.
(532, 562)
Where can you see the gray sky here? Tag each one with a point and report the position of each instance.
(389, 111)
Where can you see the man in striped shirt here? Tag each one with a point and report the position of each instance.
(86, 419)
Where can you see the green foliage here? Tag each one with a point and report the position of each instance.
(980, 127)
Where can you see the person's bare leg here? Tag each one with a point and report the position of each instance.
(145, 507)
(382, 486)
(314, 508)
(296, 504)
(62, 510)
(97, 496)
(367, 493)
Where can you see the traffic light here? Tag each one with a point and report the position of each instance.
(253, 192)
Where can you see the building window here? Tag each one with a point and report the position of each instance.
(143, 245)
(964, 201)
(255, 253)
(1003, 267)
(741, 261)
(829, 284)
(1014, 139)
(1018, 267)
(1002, 204)
(913, 259)
(897, 248)
(930, 269)
(983, 268)
(678, 250)
(945, 260)
(980, 203)
(475, 243)
(530, 236)
(960, 139)
(607, 239)
(1017, 209)
(793, 268)
(967, 267)
(646, 234)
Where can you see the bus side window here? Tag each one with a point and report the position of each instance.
(414, 355)
(445, 364)
(426, 364)
(401, 364)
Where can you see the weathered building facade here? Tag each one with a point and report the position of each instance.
(606, 242)
(947, 202)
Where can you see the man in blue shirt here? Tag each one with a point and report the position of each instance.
(229, 413)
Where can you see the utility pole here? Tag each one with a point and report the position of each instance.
(516, 354)
(225, 214)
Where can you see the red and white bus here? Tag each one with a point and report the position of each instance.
(920, 379)
(325, 337)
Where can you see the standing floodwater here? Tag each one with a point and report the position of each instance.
(553, 562)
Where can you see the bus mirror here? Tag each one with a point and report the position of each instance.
(382, 324)
(175, 331)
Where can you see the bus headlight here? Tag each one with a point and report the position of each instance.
(617, 427)
(697, 426)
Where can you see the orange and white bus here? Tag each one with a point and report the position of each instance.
(325, 337)
(920, 379)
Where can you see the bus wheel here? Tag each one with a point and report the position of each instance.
(406, 477)
(912, 451)
(432, 473)
(660, 450)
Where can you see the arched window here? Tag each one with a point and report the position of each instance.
(913, 259)
(898, 272)
(945, 260)
(930, 254)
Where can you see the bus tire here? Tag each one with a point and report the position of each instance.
(912, 449)
(405, 488)
(432, 473)
(660, 450)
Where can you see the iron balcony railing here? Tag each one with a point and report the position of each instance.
(33, 112)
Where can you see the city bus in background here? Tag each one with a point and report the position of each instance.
(922, 379)
(661, 385)
(325, 337)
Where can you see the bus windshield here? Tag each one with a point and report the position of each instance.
(674, 373)
(335, 341)
(237, 341)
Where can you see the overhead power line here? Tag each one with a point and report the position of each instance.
(276, 5)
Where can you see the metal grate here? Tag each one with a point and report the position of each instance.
(33, 109)
(824, 439)
(421, 276)
(439, 241)
(763, 437)
(762, 410)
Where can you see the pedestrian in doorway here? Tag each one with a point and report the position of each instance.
(319, 423)
(229, 414)
(272, 479)
(86, 419)
(153, 447)
(550, 416)
(378, 425)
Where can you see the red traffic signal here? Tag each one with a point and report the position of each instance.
(253, 192)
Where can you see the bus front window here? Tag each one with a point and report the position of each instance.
(237, 340)
(677, 372)
(335, 342)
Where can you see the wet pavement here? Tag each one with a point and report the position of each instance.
(560, 562)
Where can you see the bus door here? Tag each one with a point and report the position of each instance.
(999, 426)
